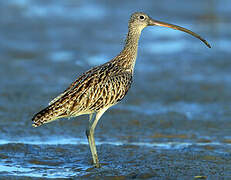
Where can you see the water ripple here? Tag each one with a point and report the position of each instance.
(190, 110)
(30, 172)
(80, 141)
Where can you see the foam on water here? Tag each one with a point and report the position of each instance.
(30, 169)
(50, 172)
(80, 141)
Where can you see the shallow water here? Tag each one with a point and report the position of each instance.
(173, 124)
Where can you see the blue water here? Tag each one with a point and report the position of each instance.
(175, 120)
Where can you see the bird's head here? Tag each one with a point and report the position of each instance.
(139, 20)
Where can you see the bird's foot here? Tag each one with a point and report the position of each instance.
(97, 165)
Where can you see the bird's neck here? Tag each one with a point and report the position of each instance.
(127, 57)
(131, 42)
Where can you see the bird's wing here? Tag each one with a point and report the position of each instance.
(93, 91)
(109, 91)
(58, 97)
(61, 106)
(73, 84)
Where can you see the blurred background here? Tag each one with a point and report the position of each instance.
(175, 120)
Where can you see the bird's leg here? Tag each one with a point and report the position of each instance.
(90, 135)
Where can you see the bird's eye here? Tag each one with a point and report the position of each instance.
(141, 17)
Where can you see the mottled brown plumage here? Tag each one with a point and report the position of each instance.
(99, 87)
(103, 86)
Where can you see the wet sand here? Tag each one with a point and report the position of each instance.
(173, 124)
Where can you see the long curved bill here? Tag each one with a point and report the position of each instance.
(153, 22)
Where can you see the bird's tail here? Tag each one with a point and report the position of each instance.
(47, 115)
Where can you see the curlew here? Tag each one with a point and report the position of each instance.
(102, 86)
